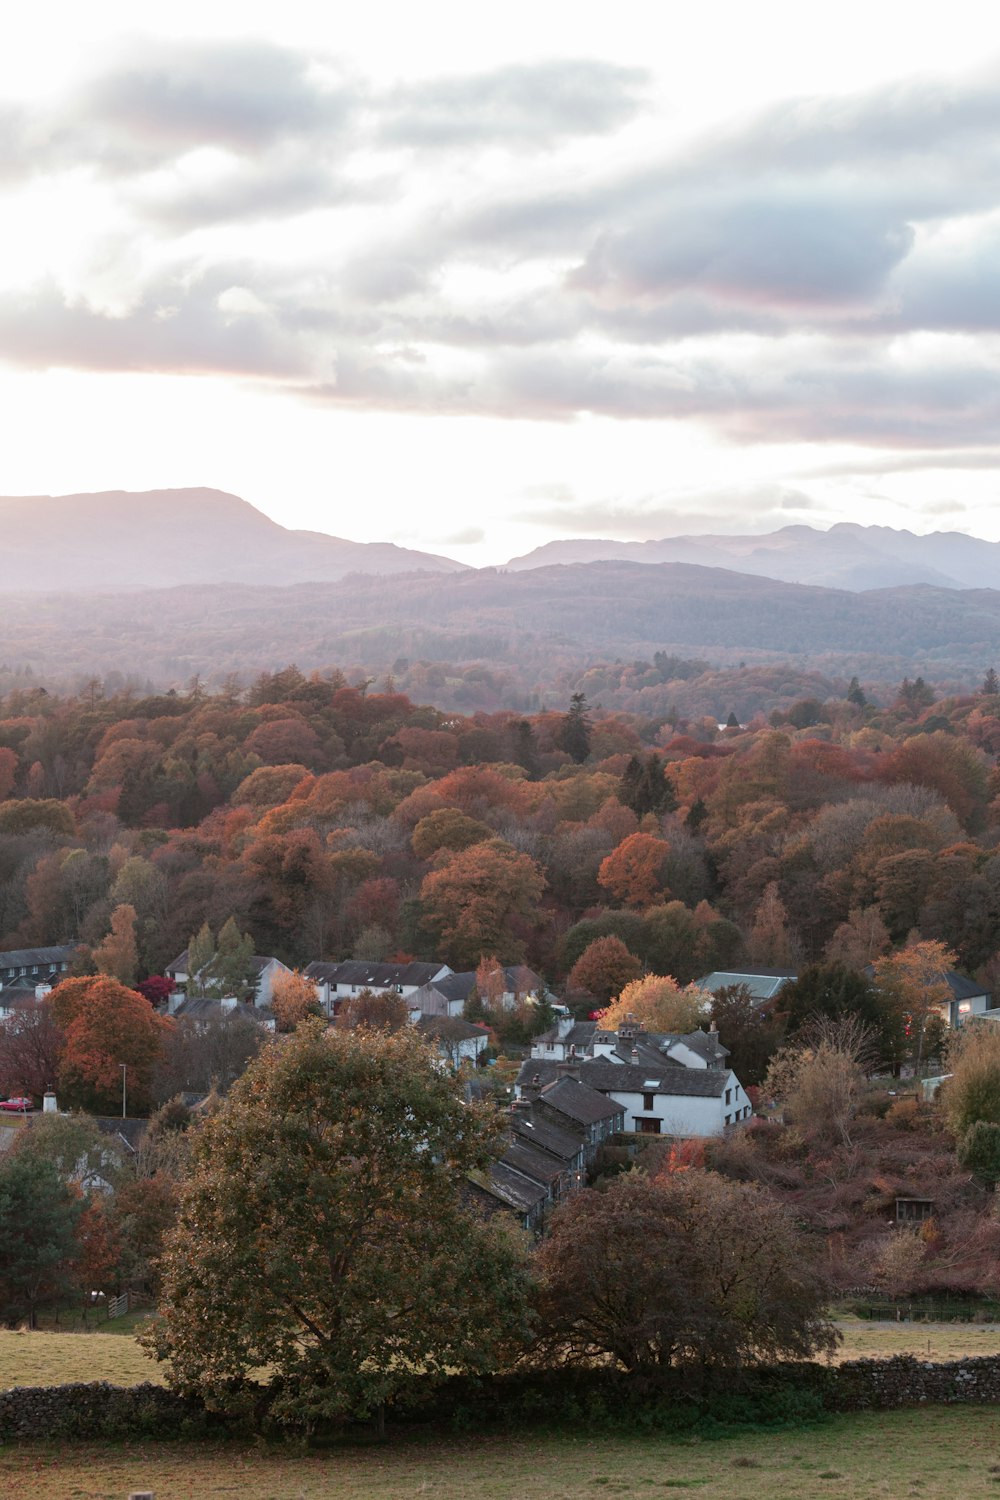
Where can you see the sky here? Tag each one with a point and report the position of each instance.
(472, 279)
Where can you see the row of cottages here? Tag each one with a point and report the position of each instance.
(667, 1085)
(968, 999)
(264, 970)
(552, 1138)
(431, 989)
(26, 974)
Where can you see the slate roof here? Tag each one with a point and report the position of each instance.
(454, 986)
(129, 1131)
(554, 1139)
(962, 988)
(522, 1156)
(513, 1189)
(358, 972)
(26, 958)
(631, 1078)
(449, 1028)
(763, 984)
(258, 963)
(579, 1036)
(578, 1101)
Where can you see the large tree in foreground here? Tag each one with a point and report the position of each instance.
(322, 1233)
(691, 1268)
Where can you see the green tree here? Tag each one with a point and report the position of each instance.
(322, 1234)
(201, 951)
(856, 694)
(38, 1215)
(834, 991)
(230, 970)
(645, 787)
(991, 684)
(979, 1151)
(573, 734)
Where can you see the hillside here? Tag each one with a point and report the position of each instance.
(543, 627)
(120, 541)
(848, 556)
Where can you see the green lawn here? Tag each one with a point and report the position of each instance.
(935, 1453)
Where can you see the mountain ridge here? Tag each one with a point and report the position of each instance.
(122, 540)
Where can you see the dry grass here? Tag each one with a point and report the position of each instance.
(63, 1358)
(938, 1341)
(937, 1453)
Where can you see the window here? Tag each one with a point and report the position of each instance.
(729, 1096)
(729, 1119)
(647, 1101)
(647, 1127)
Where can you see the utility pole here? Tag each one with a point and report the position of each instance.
(124, 1068)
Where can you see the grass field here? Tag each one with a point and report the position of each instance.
(936, 1453)
(59, 1358)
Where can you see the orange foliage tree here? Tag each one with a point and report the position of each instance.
(658, 1003)
(293, 997)
(469, 904)
(106, 1026)
(604, 968)
(633, 873)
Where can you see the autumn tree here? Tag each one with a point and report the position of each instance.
(603, 969)
(106, 1027)
(293, 997)
(769, 941)
(912, 983)
(751, 1032)
(118, 956)
(30, 1046)
(658, 1003)
(473, 901)
(820, 1078)
(972, 1093)
(633, 873)
(860, 940)
(357, 1143)
(650, 1274)
(375, 1009)
(448, 828)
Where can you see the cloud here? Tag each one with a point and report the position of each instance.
(518, 106)
(753, 508)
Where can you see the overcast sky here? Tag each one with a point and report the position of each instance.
(472, 278)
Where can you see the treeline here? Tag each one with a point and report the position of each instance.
(331, 820)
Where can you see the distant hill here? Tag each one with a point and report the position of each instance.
(848, 556)
(543, 628)
(117, 541)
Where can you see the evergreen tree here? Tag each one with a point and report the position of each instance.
(697, 813)
(991, 684)
(856, 694)
(201, 951)
(645, 787)
(732, 722)
(231, 971)
(574, 732)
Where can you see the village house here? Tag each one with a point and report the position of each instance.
(26, 974)
(665, 1085)
(264, 971)
(763, 984)
(457, 1041)
(337, 982)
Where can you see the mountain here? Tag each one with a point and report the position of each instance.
(117, 541)
(848, 556)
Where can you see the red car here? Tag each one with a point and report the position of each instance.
(18, 1105)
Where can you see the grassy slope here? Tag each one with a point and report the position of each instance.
(935, 1453)
(58, 1358)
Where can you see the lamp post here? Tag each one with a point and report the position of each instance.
(124, 1068)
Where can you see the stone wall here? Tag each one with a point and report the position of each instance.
(95, 1410)
(879, 1384)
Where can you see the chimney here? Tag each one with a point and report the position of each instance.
(519, 1108)
(49, 1105)
(635, 1054)
(570, 1068)
(713, 1028)
(531, 1090)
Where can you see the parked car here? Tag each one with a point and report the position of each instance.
(18, 1105)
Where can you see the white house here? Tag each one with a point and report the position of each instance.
(264, 970)
(456, 1040)
(337, 982)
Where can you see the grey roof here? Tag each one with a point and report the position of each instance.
(530, 1161)
(258, 963)
(630, 1078)
(763, 984)
(357, 971)
(579, 1036)
(962, 988)
(516, 1191)
(450, 1028)
(557, 1140)
(705, 1043)
(129, 1131)
(453, 986)
(26, 958)
(578, 1101)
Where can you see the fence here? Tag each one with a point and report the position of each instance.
(118, 1306)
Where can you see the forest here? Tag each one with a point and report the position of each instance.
(331, 820)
